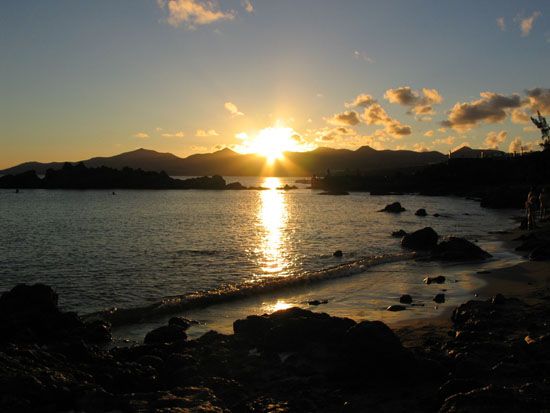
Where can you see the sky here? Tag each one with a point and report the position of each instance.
(80, 79)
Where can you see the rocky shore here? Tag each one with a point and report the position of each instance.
(492, 355)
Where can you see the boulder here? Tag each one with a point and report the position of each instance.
(393, 208)
(439, 298)
(440, 279)
(23, 298)
(458, 249)
(398, 234)
(421, 212)
(405, 299)
(180, 322)
(540, 253)
(423, 239)
(165, 334)
(338, 253)
(396, 307)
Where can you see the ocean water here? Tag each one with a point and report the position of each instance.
(136, 248)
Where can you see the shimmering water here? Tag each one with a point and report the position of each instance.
(126, 250)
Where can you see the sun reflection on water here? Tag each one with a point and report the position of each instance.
(272, 216)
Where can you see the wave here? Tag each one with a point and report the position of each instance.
(199, 299)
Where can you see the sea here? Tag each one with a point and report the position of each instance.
(215, 256)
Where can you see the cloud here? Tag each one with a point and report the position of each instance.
(516, 145)
(419, 147)
(363, 100)
(141, 135)
(362, 56)
(376, 115)
(526, 24)
(501, 23)
(519, 116)
(202, 133)
(247, 4)
(419, 103)
(232, 109)
(493, 139)
(336, 133)
(429, 133)
(538, 99)
(449, 140)
(348, 118)
(178, 134)
(491, 108)
(194, 12)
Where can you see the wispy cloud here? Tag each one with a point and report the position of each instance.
(232, 109)
(178, 134)
(194, 13)
(248, 6)
(362, 56)
(202, 133)
(141, 135)
(526, 24)
(501, 23)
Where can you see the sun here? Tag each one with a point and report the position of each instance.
(273, 142)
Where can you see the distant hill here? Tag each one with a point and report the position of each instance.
(467, 152)
(229, 163)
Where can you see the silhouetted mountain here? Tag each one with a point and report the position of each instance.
(229, 163)
(467, 152)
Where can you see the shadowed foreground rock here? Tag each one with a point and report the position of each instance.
(294, 360)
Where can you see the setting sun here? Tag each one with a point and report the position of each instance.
(272, 142)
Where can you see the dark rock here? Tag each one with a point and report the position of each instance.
(454, 386)
(393, 208)
(421, 212)
(338, 253)
(439, 298)
(165, 334)
(153, 361)
(498, 300)
(235, 186)
(423, 239)
(398, 234)
(458, 249)
(180, 322)
(440, 279)
(540, 253)
(23, 298)
(253, 328)
(335, 192)
(396, 307)
(98, 331)
(405, 299)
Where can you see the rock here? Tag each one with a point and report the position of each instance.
(540, 253)
(180, 322)
(253, 328)
(423, 239)
(98, 331)
(498, 300)
(396, 307)
(458, 249)
(165, 334)
(235, 186)
(421, 212)
(440, 279)
(393, 208)
(23, 298)
(439, 298)
(153, 361)
(338, 253)
(437, 215)
(398, 234)
(405, 299)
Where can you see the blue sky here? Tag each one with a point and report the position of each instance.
(83, 78)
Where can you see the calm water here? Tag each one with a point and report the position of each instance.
(133, 248)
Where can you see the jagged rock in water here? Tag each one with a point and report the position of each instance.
(421, 212)
(405, 299)
(165, 334)
(458, 249)
(440, 279)
(393, 208)
(398, 234)
(423, 239)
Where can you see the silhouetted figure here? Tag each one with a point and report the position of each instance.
(113, 193)
(17, 190)
(530, 208)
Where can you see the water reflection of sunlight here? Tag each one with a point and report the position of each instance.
(272, 307)
(273, 216)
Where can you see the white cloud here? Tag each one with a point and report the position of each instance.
(232, 109)
(194, 12)
(363, 100)
(203, 133)
(376, 115)
(429, 133)
(141, 135)
(362, 56)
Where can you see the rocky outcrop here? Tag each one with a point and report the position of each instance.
(423, 239)
(393, 208)
(421, 212)
(458, 249)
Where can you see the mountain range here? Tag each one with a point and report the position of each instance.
(226, 162)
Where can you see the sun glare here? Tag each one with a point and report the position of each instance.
(272, 142)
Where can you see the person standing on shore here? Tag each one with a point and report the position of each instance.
(544, 202)
(530, 205)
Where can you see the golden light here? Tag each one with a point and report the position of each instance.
(279, 305)
(272, 142)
